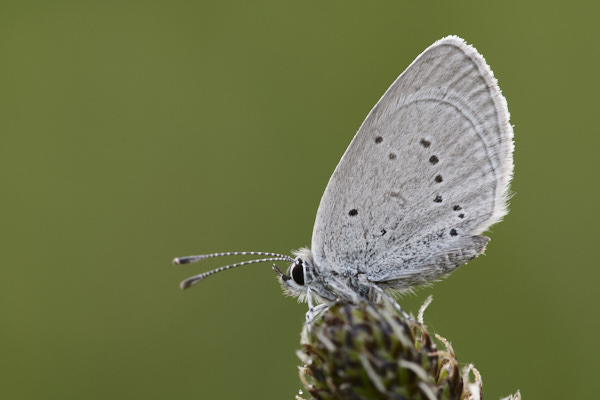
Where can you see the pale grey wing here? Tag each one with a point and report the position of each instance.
(427, 171)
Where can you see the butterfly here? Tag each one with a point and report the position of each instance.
(427, 172)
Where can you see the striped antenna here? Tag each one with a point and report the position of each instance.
(193, 259)
(197, 278)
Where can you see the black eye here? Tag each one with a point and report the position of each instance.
(298, 272)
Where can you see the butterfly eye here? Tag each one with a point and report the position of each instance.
(298, 272)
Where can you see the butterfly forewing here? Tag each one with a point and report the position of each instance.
(428, 169)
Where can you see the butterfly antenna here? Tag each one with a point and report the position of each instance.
(193, 259)
(195, 279)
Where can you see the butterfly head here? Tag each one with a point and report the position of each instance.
(301, 276)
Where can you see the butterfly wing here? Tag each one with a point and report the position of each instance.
(427, 171)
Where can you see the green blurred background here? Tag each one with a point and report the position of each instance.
(135, 132)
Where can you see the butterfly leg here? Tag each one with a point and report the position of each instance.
(392, 301)
(313, 311)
